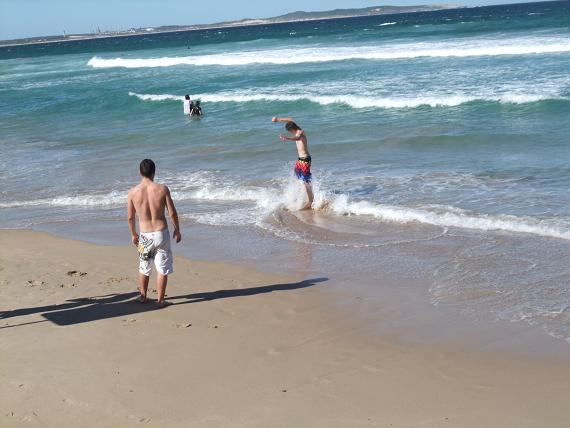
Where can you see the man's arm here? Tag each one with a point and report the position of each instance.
(131, 214)
(286, 138)
(298, 136)
(282, 119)
(173, 215)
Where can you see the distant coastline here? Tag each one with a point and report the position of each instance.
(299, 16)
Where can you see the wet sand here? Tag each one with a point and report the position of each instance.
(238, 348)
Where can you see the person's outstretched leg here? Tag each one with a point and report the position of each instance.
(161, 281)
(143, 286)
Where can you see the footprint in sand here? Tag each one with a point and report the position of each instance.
(184, 325)
(68, 285)
(76, 273)
(116, 280)
(17, 384)
(35, 283)
(273, 352)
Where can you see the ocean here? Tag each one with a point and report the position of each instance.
(440, 145)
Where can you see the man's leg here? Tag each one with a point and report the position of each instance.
(310, 195)
(161, 281)
(143, 286)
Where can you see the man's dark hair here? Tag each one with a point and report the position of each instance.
(147, 168)
(292, 126)
(187, 96)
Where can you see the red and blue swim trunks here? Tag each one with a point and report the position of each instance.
(303, 169)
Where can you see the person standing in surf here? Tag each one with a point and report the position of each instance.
(303, 164)
(187, 105)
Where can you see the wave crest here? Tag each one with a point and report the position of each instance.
(480, 47)
(440, 216)
(358, 102)
(449, 217)
(254, 203)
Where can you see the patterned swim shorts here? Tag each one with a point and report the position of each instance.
(303, 169)
(155, 247)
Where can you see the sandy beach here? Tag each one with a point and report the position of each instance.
(251, 350)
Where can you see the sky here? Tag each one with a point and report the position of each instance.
(30, 18)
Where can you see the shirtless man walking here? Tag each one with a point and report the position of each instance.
(148, 201)
(303, 164)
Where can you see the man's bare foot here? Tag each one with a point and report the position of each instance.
(141, 298)
(163, 304)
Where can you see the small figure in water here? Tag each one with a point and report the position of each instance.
(303, 164)
(187, 105)
(195, 109)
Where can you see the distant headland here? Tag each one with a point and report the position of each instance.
(289, 17)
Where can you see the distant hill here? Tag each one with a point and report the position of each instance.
(337, 13)
(366, 11)
(289, 17)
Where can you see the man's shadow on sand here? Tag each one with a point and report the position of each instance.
(77, 311)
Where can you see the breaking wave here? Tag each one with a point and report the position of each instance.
(441, 216)
(262, 201)
(100, 200)
(358, 102)
(473, 48)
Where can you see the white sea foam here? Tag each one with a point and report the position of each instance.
(151, 97)
(357, 102)
(449, 217)
(470, 48)
(101, 200)
(265, 200)
(387, 23)
(443, 216)
(268, 200)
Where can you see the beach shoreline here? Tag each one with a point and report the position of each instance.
(255, 350)
(388, 300)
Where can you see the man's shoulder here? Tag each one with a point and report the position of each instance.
(133, 190)
(161, 187)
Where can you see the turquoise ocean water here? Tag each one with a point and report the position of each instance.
(440, 143)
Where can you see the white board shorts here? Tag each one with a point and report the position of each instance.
(155, 246)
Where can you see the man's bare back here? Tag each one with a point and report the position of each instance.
(149, 201)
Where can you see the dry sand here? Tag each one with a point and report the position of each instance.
(237, 349)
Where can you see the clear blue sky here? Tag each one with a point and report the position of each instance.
(28, 18)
